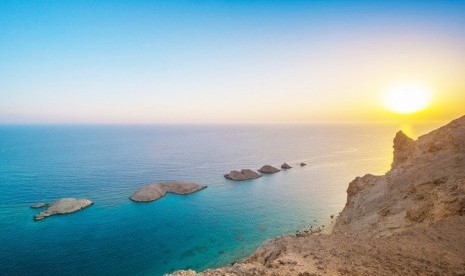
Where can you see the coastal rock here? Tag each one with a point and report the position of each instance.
(403, 148)
(285, 166)
(409, 221)
(426, 184)
(155, 191)
(39, 205)
(303, 164)
(268, 169)
(245, 174)
(63, 206)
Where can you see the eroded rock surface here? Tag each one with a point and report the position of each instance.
(245, 174)
(426, 183)
(155, 191)
(63, 206)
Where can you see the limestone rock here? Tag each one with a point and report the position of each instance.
(155, 191)
(245, 174)
(268, 169)
(63, 206)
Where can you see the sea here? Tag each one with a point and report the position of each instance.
(211, 228)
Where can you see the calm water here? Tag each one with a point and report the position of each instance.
(214, 227)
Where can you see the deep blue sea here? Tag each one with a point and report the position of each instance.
(211, 228)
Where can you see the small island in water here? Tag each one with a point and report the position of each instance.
(410, 221)
(62, 206)
(155, 191)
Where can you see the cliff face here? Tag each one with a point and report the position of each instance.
(409, 221)
(426, 183)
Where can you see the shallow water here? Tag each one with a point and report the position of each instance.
(214, 227)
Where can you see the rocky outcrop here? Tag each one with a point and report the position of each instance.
(285, 166)
(268, 169)
(155, 191)
(403, 148)
(63, 206)
(426, 183)
(409, 221)
(303, 164)
(244, 174)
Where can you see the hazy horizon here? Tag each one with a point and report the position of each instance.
(226, 62)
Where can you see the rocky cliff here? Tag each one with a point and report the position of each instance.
(426, 183)
(409, 221)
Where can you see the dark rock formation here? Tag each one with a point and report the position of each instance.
(285, 166)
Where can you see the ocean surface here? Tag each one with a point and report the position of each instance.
(214, 227)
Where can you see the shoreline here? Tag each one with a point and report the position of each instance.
(409, 221)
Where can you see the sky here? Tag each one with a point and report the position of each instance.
(226, 61)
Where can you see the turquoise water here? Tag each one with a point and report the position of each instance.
(214, 227)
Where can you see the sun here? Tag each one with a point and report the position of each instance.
(407, 98)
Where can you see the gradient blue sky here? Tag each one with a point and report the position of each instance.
(224, 61)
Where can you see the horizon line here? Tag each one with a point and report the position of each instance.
(221, 123)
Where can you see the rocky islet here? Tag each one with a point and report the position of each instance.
(155, 191)
(61, 207)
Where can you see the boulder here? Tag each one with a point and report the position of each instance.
(245, 174)
(155, 191)
(63, 206)
(268, 169)
(303, 164)
(285, 166)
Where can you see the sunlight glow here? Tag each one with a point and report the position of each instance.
(407, 99)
